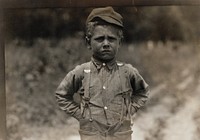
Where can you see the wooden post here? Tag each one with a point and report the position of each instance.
(2, 82)
(91, 3)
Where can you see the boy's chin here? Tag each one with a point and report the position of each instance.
(107, 59)
(104, 58)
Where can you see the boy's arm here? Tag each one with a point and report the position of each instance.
(140, 90)
(65, 91)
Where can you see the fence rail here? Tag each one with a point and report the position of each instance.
(90, 3)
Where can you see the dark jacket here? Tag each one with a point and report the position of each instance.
(110, 93)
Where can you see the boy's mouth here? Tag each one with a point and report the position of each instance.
(106, 51)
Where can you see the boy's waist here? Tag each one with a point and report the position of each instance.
(109, 114)
(104, 129)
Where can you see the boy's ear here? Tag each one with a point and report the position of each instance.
(89, 47)
(120, 41)
(87, 40)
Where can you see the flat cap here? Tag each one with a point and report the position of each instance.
(106, 14)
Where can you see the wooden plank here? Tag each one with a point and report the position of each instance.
(166, 2)
(2, 83)
(91, 3)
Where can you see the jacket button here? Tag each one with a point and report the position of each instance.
(104, 87)
(105, 107)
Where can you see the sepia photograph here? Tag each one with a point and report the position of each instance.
(106, 72)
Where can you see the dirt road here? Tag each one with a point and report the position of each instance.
(161, 122)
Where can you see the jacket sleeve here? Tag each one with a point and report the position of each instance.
(66, 90)
(140, 89)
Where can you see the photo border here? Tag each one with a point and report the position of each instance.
(16, 4)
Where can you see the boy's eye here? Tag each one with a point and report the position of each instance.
(99, 39)
(111, 39)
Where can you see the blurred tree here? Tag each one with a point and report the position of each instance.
(141, 23)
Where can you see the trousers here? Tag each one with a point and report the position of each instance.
(94, 130)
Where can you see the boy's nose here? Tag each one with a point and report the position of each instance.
(106, 44)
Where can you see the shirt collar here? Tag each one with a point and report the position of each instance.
(110, 65)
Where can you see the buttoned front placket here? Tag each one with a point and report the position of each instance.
(104, 77)
(106, 102)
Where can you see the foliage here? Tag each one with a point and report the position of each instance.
(141, 23)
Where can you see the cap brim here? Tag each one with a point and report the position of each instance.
(110, 20)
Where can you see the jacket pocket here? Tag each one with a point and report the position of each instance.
(87, 126)
(87, 131)
(124, 135)
(88, 135)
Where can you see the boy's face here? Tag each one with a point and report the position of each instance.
(105, 42)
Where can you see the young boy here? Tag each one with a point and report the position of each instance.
(111, 92)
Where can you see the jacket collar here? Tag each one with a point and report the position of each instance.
(110, 65)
